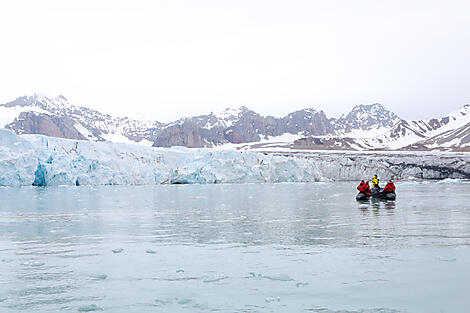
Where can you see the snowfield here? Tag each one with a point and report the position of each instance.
(27, 160)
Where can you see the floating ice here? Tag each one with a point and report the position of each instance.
(89, 308)
(215, 279)
(281, 277)
(446, 259)
(100, 277)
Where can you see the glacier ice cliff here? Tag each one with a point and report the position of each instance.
(46, 161)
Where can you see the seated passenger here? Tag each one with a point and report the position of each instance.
(390, 187)
(367, 187)
(364, 187)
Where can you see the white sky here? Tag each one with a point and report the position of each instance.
(168, 59)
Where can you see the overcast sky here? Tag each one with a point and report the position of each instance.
(168, 59)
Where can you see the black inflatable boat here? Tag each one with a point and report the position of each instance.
(378, 194)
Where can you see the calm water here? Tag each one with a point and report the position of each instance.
(234, 248)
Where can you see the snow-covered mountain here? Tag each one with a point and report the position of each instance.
(364, 119)
(389, 132)
(242, 125)
(449, 133)
(38, 114)
(365, 127)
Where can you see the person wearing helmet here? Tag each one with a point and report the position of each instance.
(375, 182)
(364, 187)
(390, 187)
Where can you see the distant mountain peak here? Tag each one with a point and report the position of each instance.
(365, 117)
(309, 111)
(40, 100)
(38, 96)
(465, 109)
(231, 113)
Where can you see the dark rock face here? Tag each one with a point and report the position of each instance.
(34, 123)
(247, 129)
(55, 117)
(179, 135)
(243, 126)
(308, 121)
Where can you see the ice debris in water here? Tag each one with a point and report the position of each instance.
(101, 276)
(446, 259)
(272, 299)
(163, 301)
(450, 181)
(281, 277)
(89, 308)
(184, 301)
(214, 279)
(151, 251)
(48, 161)
(33, 263)
(119, 250)
(378, 310)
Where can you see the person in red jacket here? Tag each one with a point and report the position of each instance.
(361, 186)
(367, 188)
(364, 187)
(390, 187)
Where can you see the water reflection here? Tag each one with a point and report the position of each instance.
(376, 205)
(58, 241)
(301, 214)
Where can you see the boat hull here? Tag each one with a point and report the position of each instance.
(376, 195)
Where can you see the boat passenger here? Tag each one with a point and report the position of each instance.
(375, 182)
(390, 187)
(364, 187)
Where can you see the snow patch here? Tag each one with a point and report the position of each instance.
(85, 132)
(117, 138)
(9, 114)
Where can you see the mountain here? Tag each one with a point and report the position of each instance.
(365, 127)
(365, 118)
(240, 125)
(38, 114)
(450, 133)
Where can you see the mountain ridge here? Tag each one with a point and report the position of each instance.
(365, 127)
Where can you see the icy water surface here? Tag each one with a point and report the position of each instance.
(235, 248)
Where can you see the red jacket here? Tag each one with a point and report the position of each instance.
(390, 187)
(363, 187)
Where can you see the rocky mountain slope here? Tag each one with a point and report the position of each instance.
(450, 133)
(38, 114)
(366, 127)
(365, 118)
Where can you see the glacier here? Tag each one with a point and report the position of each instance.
(38, 160)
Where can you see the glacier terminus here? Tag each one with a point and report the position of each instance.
(39, 160)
